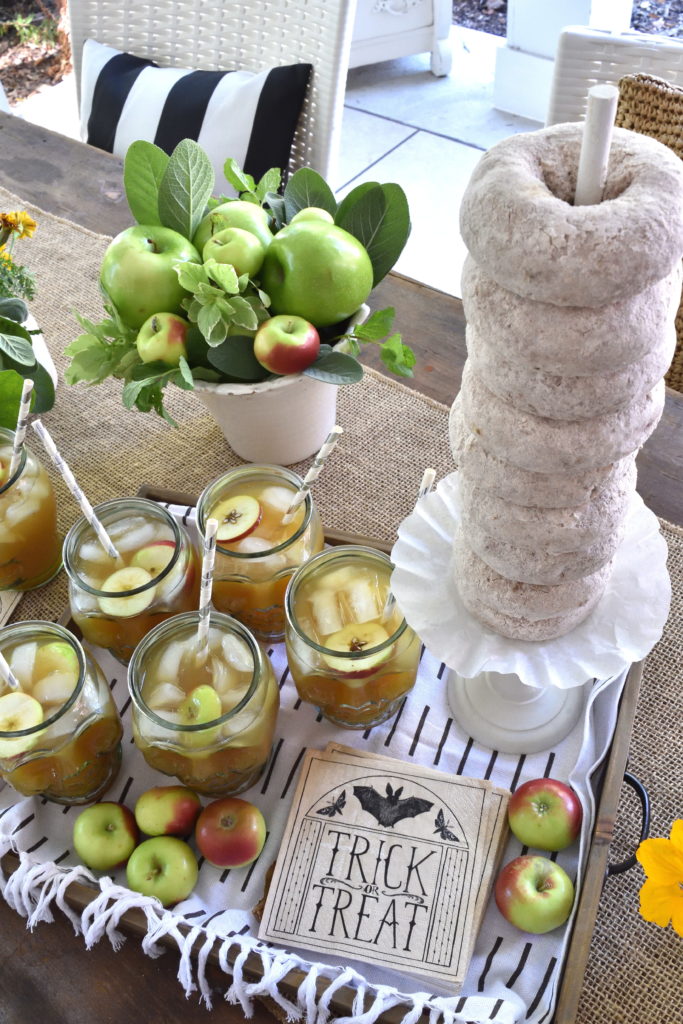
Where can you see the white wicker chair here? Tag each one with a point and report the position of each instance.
(586, 57)
(237, 35)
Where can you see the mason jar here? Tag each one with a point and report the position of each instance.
(350, 651)
(256, 554)
(30, 547)
(60, 732)
(115, 602)
(204, 715)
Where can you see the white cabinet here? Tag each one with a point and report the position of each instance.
(385, 29)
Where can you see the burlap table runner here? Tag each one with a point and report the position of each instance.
(369, 486)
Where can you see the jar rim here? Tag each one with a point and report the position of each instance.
(257, 469)
(73, 538)
(15, 631)
(170, 625)
(311, 566)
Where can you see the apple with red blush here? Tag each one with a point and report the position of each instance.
(230, 832)
(286, 344)
(162, 339)
(167, 811)
(534, 894)
(545, 814)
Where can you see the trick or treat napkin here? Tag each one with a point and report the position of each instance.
(387, 862)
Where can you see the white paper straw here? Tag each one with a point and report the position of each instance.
(313, 473)
(22, 421)
(595, 144)
(7, 674)
(70, 481)
(426, 484)
(208, 558)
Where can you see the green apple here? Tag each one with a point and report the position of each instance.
(317, 271)
(312, 213)
(237, 213)
(138, 271)
(164, 867)
(167, 810)
(105, 835)
(242, 249)
(162, 337)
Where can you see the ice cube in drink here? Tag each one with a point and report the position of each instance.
(350, 651)
(256, 554)
(117, 601)
(205, 716)
(60, 733)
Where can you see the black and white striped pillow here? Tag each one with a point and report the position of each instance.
(249, 117)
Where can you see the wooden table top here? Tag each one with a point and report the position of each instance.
(47, 974)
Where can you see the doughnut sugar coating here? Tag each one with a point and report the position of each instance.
(518, 222)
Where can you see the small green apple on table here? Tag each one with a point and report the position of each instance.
(257, 295)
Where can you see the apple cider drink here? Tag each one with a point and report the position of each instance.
(350, 653)
(60, 732)
(115, 602)
(205, 717)
(30, 548)
(256, 554)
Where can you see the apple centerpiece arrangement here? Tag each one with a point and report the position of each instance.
(239, 290)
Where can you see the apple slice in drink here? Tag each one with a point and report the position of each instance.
(154, 557)
(201, 706)
(4, 471)
(56, 688)
(121, 601)
(358, 637)
(18, 711)
(237, 517)
(56, 656)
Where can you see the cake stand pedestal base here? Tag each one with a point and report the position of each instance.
(501, 712)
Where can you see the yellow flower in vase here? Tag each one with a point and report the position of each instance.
(661, 896)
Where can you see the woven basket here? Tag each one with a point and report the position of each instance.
(237, 35)
(653, 107)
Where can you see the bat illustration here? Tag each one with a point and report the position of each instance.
(336, 807)
(443, 829)
(389, 809)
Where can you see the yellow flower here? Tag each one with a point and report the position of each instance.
(661, 897)
(5, 257)
(26, 224)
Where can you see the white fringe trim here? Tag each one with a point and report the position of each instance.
(35, 888)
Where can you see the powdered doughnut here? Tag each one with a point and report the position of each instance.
(565, 397)
(555, 530)
(524, 487)
(546, 446)
(535, 564)
(569, 339)
(517, 220)
(522, 611)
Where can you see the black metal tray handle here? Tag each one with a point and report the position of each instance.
(644, 797)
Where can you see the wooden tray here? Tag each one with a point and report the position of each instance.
(607, 786)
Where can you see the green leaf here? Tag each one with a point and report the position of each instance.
(236, 359)
(185, 188)
(379, 218)
(91, 361)
(377, 326)
(209, 318)
(197, 348)
(185, 373)
(243, 314)
(143, 172)
(11, 384)
(15, 346)
(269, 183)
(13, 309)
(276, 206)
(307, 188)
(335, 368)
(203, 373)
(397, 357)
(191, 275)
(43, 388)
(240, 181)
(223, 274)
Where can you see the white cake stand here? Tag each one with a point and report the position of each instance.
(519, 696)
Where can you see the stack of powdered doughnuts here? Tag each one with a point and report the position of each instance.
(570, 329)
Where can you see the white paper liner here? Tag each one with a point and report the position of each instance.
(623, 628)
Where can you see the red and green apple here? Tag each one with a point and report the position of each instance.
(167, 811)
(162, 338)
(534, 894)
(545, 814)
(286, 344)
(230, 832)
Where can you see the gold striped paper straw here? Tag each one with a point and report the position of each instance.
(313, 473)
(428, 478)
(70, 481)
(7, 674)
(22, 421)
(208, 558)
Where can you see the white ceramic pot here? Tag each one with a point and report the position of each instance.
(278, 421)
